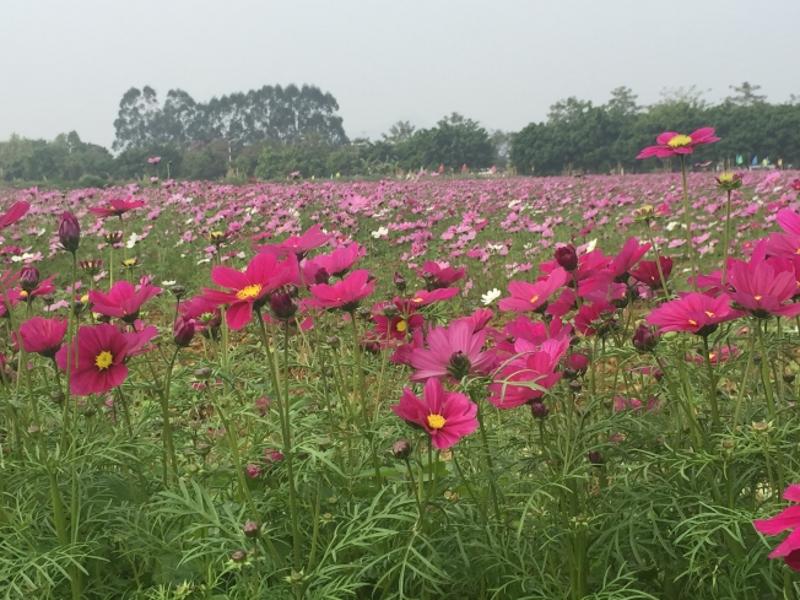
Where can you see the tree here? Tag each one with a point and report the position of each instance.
(746, 94)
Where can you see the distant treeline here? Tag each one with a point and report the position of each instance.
(274, 131)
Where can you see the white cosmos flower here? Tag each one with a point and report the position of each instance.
(490, 296)
(380, 232)
(168, 283)
(591, 245)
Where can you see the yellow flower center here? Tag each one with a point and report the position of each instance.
(129, 262)
(85, 299)
(249, 292)
(23, 294)
(709, 314)
(679, 141)
(692, 322)
(104, 360)
(419, 300)
(401, 326)
(534, 298)
(436, 421)
(758, 297)
(725, 178)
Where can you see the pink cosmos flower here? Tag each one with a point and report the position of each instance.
(123, 300)
(671, 143)
(454, 351)
(532, 296)
(97, 359)
(445, 416)
(246, 289)
(345, 294)
(696, 313)
(426, 298)
(647, 272)
(116, 207)
(762, 290)
(43, 336)
(627, 258)
(441, 274)
(14, 213)
(320, 268)
(298, 245)
(789, 518)
(528, 374)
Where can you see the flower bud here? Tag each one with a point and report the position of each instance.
(645, 338)
(576, 365)
(401, 449)
(252, 471)
(282, 305)
(595, 457)
(69, 232)
(399, 281)
(251, 529)
(539, 410)
(322, 276)
(567, 257)
(238, 556)
(183, 331)
(29, 278)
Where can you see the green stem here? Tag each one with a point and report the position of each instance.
(170, 458)
(726, 238)
(286, 434)
(686, 222)
(712, 384)
(487, 453)
(360, 387)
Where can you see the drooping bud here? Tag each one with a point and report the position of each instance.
(539, 410)
(251, 529)
(595, 457)
(69, 232)
(567, 257)
(282, 305)
(401, 449)
(645, 338)
(183, 331)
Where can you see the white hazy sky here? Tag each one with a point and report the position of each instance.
(65, 64)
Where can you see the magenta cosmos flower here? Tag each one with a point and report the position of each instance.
(123, 301)
(14, 213)
(671, 143)
(533, 296)
(345, 294)
(249, 288)
(299, 245)
(97, 359)
(455, 351)
(440, 274)
(696, 313)
(445, 416)
(116, 207)
(763, 290)
(788, 519)
(529, 374)
(43, 336)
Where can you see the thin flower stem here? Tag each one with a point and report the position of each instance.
(170, 458)
(712, 384)
(420, 513)
(487, 453)
(360, 387)
(726, 238)
(687, 222)
(286, 434)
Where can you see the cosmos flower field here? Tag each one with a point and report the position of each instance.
(435, 388)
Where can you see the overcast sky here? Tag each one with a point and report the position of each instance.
(65, 64)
